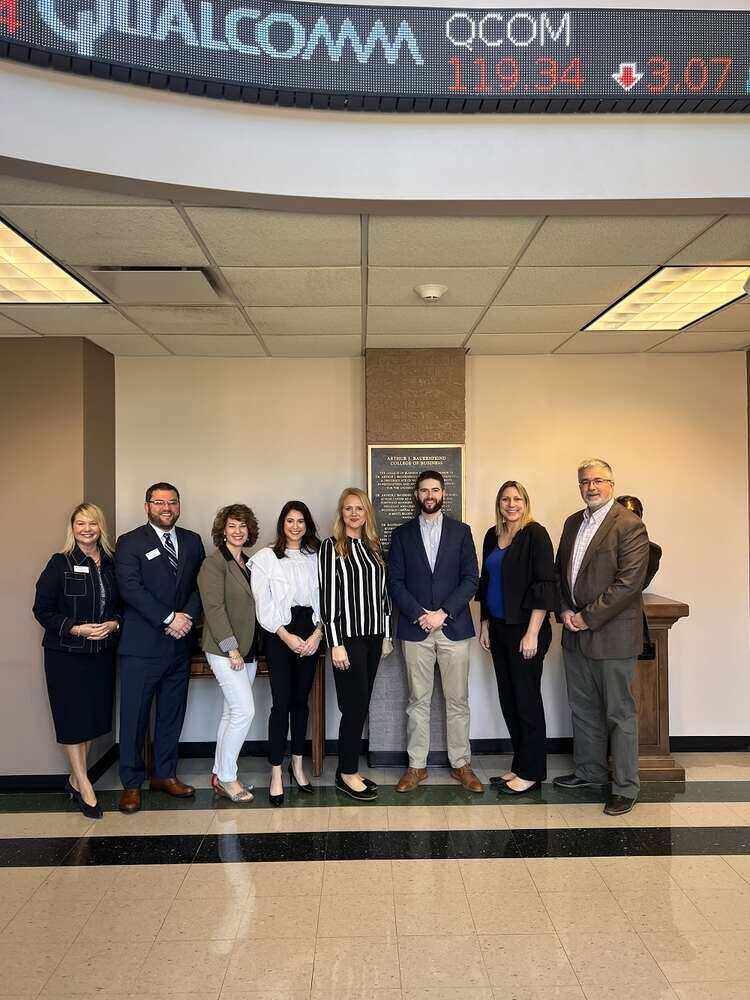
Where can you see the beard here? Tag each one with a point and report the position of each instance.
(427, 507)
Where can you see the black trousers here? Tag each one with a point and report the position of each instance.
(519, 686)
(291, 679)
(142, 679)
(353, 691)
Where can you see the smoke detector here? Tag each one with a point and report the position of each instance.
(431, 293)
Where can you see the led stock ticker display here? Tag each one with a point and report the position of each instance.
(396, 58)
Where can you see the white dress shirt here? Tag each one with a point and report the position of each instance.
(280, 584)
(432, 531)
(590, 524)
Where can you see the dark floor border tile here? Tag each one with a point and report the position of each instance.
(35, 852)
(226, 848)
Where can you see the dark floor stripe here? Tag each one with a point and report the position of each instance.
(366, 846)
(426, 795)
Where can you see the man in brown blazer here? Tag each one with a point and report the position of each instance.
(601, 565)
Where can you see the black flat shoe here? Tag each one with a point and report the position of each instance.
(370, 783)
(507, 790)
(308, 788)
(90, 812)
(497, 780)
(366, 795)
(72, 792)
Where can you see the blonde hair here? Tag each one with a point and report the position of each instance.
(95, 513)
(499, 519)
(370, 534)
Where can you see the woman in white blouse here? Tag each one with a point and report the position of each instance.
(285, 587)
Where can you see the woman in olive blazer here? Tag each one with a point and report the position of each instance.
(228, 639)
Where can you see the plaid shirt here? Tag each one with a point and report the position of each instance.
(589, 526)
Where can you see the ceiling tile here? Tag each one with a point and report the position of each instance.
(214, 346)
(617, 342)
(132, 345)
(728, 240)
(601, 240)
(537, 319)
(692, 342)
(314, 346)
(295, 286)
(732, 319)
(515, 343)
(446, 240)
(128, 236)
(252, 238)
(153, 286)
(70, 321)
(24, 191)
(400, 340)
(10, 329)
(467, 286)
(421, 319)
(322, 320)
(568, 285)
(188, 319)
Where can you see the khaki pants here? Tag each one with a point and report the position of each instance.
(453, 661)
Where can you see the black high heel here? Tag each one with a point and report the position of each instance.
(308, 788)
(90, 812)
(276, 800)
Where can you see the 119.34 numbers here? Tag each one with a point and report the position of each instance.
(506, 75)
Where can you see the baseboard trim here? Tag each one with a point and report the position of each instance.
(55, 782)
(709, 744)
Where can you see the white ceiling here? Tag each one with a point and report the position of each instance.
(293, 284)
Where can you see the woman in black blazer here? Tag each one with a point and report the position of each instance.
(517, 590)
(78, 603)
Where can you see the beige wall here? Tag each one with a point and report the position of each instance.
(255, 431)
(674, 428)
(43, 384)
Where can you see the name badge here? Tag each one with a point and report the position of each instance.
(80, 569)
(153, 554)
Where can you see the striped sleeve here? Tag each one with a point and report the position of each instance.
(386, 605)
(330, 613)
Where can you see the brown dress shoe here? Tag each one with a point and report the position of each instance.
(172, 786)
(130, 800)
(411, 778)
(467, 778)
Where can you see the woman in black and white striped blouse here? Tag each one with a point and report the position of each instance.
(356, 613)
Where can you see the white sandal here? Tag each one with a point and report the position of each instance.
(244, 795)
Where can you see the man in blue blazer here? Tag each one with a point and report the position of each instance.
(433, 575)
(157, 567)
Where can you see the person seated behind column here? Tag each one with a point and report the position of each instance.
(224, 582)
(78, 604)
(356, 614)
(285, 586)
(517, 590)
(634, 505)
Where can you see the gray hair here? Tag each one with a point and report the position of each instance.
(588, 462)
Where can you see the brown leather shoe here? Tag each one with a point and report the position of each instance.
(467, 778)
(130, 800)
(172, 786)
(411, 778)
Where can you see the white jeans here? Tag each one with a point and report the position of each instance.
(239, 709)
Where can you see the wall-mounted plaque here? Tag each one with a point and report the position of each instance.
(391, 475)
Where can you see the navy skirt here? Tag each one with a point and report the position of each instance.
(81, 689)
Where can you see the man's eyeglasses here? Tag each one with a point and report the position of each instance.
(585, 483)
(165, 503)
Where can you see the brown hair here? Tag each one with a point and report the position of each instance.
(499, 519)
(238, 512)
(370, 535)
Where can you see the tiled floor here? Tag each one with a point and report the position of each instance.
(438, 896)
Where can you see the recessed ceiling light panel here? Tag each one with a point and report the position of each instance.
(674, 298)
(29, 275)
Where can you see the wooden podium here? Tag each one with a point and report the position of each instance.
(651, 691)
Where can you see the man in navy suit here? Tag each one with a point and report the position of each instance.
(157, 566)
(433, 575)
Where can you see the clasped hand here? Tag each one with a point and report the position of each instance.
(574, 622)
(96, 630)
(180, 625)
(430, 621)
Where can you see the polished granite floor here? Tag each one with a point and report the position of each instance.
(436, 895)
